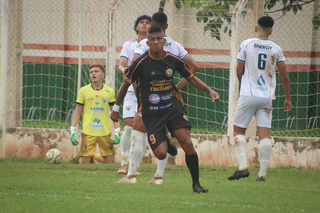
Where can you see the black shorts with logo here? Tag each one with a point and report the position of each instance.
(156, 125)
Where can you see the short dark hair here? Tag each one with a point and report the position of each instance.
(143, 17)
(155, 30)
(266, 22)
(159, 19)
(97, 65)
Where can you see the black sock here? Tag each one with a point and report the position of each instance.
(193, 165)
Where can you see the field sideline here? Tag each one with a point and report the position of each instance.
(33, 185)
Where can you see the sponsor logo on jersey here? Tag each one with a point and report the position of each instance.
(262, 47)
(97, 103)
(166, 97)
(154, 108)
(154, 98)
(105, 100)
(169, 72)
(97, 95)
(107, 91)
(88, 90)
(261, 82)
(97, 109)
(185, 117)
(96, 124)
(153, 73)
(90, 99)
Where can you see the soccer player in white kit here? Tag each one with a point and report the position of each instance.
(141, 26)
(257, 61)
(139, 131)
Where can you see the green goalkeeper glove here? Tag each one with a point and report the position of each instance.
(73, 136)
(115, 138)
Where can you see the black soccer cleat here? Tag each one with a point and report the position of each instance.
(261, 179)
(239, 174)
(172, 149)
(198, 188)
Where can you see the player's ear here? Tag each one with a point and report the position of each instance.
(148, 43)
(270, 32)
(256, 29)
(166, 26)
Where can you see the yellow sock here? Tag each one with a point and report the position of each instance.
(98, 158)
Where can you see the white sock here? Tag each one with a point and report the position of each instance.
(136, 151)
(161, 166)
(265, 155)
(241, 143)
(145, 144)
(125, 144)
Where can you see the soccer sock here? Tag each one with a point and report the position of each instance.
(136, 151)
(241, 144)
(145, 144)
(125, 144)
(161, 166)
(265, 155)
(98, 158)
(192, 162)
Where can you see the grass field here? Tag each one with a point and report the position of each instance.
(36, 186)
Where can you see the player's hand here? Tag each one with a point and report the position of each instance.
(115, 137)
(74, 136)
(287, 105)
(114, 116)
(214, 96)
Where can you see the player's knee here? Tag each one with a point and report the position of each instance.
(161, 156)
(240, 140)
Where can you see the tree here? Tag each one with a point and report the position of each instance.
(216, 16)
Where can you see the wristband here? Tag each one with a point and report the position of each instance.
(117, 130)
(116, 108)
(72, 129)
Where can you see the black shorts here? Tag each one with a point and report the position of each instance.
(156, 125)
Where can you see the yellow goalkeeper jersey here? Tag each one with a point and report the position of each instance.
(96, 102)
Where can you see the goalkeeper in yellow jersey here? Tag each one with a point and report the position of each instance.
(94, 100)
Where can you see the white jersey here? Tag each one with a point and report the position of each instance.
(127, 52)
(260, 58)
(170, 46)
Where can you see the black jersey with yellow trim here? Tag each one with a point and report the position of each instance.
(154, 79)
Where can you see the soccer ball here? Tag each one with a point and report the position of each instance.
(54, 156)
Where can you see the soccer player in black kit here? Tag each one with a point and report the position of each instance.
(160, 101)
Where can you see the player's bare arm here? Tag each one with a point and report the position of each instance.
(240, 68)
(286, 85)
(197, 83)
(121, 94)
(122, 65)
(193, 69)
(76, 115)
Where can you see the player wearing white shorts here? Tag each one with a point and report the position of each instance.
(139, 131)
(257, 61)
(141, 26)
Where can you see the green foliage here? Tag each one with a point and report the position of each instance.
(36, 186)
(216, 14)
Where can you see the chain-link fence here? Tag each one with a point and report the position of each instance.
(52, 43)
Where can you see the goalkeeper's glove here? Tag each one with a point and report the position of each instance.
(73, 136)
(115, 137)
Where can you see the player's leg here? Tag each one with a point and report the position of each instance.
(129, 108)
(137, 149)
(184, 138)
(87, 148)
(106, 148)
(98, 158)
(263, 118)
(242, 116)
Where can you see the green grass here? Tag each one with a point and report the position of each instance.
(36, 186)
